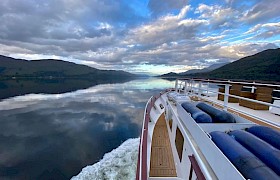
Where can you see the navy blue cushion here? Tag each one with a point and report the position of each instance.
(198, 115)
(247, 163)
(264, 151)
(218, 116)
(267, 134)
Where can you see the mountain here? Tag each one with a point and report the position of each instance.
(171, 74)
(215, 66)
(191, 71)
(208, 69)
(263, 66)
(50, 68)
(194, 71)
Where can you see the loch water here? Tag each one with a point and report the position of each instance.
(53, 134)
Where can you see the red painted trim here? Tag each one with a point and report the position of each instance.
(144, 172)
(196, 168)
(138, 162)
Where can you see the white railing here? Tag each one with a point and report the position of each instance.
(201, 88)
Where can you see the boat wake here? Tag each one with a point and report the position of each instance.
(118, 164)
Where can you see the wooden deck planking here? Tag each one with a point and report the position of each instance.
(162, 162)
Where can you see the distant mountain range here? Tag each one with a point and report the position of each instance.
(263, 66)
(194, 71)
(50, 68)
(208, 69)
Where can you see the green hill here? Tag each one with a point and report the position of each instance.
(18, 68)
(264, 66)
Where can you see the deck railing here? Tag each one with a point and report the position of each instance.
(201, 89)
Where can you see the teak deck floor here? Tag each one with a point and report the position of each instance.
(162, 162)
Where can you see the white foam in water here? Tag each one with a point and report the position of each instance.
(118, 164)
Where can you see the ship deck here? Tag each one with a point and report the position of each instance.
(162, 161)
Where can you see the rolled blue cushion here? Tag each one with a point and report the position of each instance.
(267, 134)
(218, 116)
(264, 151)
(198, 115)
(247, 163)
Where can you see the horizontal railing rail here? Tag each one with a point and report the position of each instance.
(232, 82)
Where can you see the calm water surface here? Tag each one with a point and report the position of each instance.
(53, 136)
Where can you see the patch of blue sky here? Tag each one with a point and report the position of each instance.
(236, 39)
(247, 3)
(275, 38)
(140, 7)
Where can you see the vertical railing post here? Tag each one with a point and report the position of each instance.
(253, 88)
(199, 89)
(176, 85)
(226, 96)
(192, 82)
(186, 86)
(190, 86)
(207, 88)
(180, 86)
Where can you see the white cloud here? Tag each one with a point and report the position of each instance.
(166, 29)
(264, 31)
(218, 16)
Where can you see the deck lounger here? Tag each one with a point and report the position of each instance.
(261, 94)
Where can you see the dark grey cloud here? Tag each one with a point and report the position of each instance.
(261, 12)
(159, 7)
(60, 20)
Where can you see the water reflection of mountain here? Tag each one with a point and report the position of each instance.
(16, 87)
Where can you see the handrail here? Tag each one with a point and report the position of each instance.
(251, 87)
(231, 82)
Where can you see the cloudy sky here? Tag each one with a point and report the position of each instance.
(139, 36)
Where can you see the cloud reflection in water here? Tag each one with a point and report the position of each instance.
(43, 136)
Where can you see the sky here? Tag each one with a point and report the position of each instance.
(139, 36)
